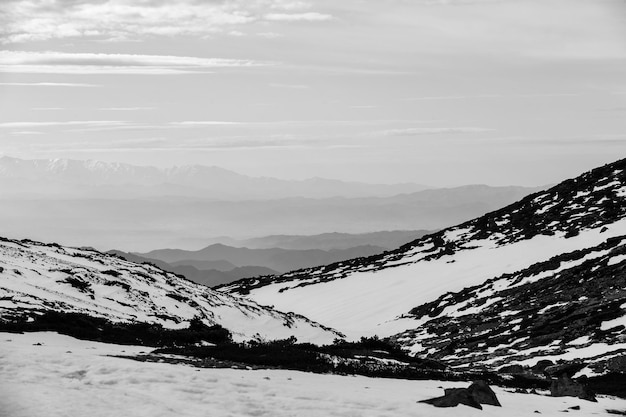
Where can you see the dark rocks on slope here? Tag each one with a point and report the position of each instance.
(564, 386)
(476, 394)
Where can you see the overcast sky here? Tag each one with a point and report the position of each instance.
(438, 92)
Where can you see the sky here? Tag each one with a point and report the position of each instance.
(439, 92)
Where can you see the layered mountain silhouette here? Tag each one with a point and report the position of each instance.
(132, 208)
(219, 264)
(326, 241)
(209, 273)
(274, 258)
(543, 278)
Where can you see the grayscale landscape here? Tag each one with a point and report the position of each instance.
(312, 208)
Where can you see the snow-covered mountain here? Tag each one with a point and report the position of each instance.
(35, 277)
(543, 275)
(71, 178)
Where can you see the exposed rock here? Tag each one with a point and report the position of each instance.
(541, 366)
(481, 392)
(565, 386)
(454, 397)
(512, 369)
(476, 394)
(568, 369)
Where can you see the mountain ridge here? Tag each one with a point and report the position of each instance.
(180, 180)
(385, 291)
(39, 277)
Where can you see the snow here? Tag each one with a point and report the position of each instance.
(65, 377)
(35, 278)
(600, 350)
(369, 302)
(616, 260)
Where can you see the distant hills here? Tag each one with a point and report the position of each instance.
(325, 241)
(68, 178)
(131, 208)
(219, 264)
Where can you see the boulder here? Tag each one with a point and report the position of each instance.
(541, 366)
(482, 392)
(569, 369)
(512, 369)
(476, 394)
(454, 397)
(564, 386)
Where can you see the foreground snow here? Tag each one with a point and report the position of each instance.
(68, 377)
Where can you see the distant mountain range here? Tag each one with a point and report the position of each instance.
(209, 273)
(325, 241)
(68, 179)
(90, 203)
(219, 264)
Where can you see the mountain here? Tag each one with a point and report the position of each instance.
(325, 241)
(543, 275)
(570, 306)
(96, 179)
(140, 224)
(36, 277)
(275, 258)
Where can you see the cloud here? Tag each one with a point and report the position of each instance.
(99, 63)
(412, 131)
(270, 35)
(204, 123)
(291, 86)
(491, 96)
(26, 132)
(126, 108)
(49, 84)
(128, 20)
(298, 17)
(13, 125)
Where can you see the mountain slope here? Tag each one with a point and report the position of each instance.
(35, 277)
(375, 295)
(572, 306)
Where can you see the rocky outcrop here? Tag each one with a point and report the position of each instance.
(476, 394)
(564, 386)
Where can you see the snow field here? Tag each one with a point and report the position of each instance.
(65, 377)
(369, 302)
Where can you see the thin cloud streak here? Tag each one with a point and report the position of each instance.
(127, 108)
(433, 131)
(49, 85)
(491, 96)
(101, 63)
(298, 17)
(13, 125)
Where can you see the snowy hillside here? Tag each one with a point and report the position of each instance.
(378, 295)
(572, 306)
(35, 277)
(46, 374)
